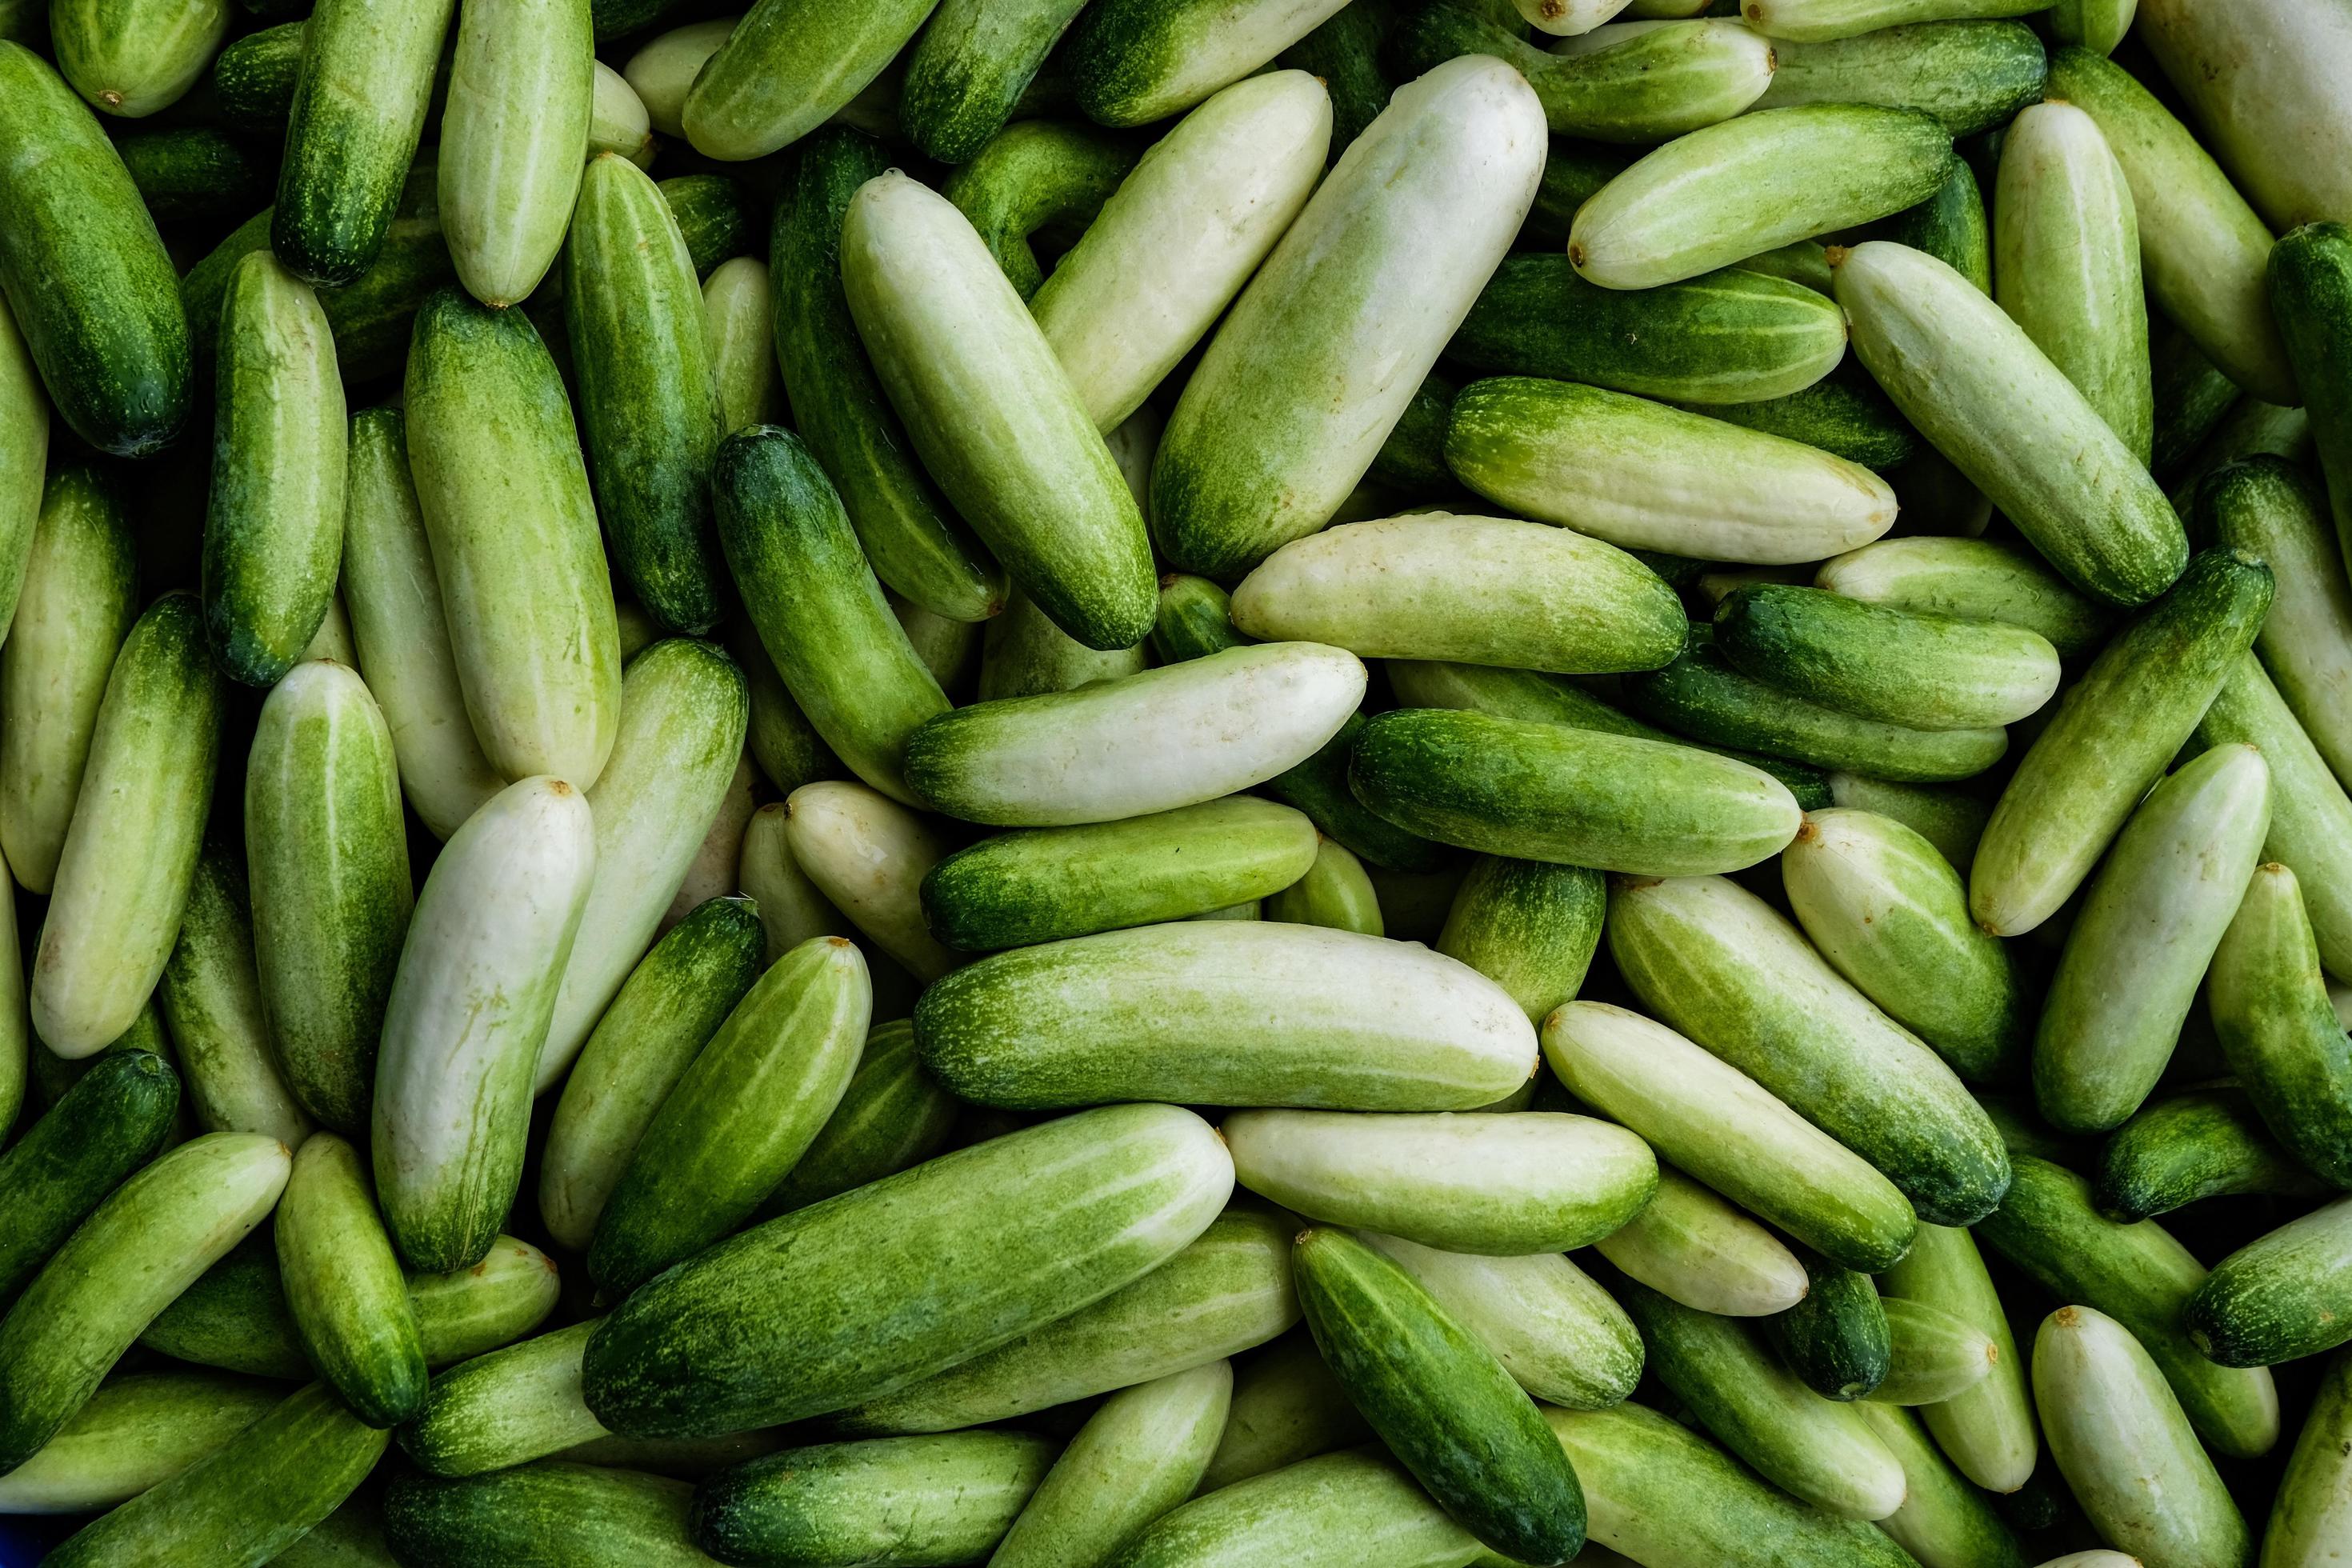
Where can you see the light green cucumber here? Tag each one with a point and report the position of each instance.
(951, 1258)
(1895, 665)
(138, 1430)
(1971, 75)
(662, 70)
(1132, 62)
(210, 996)
(113, 1119)
(1139, 1455)
(1180, 237)
(948, 333)
(350, 1304)
(133, 60)
(522, 89)
(1835, 1339)
(868, 855)
(328, 854)
(788, 66)
(1359, 295)
(1335, 891)
(131, 851)
(1032, 176)
(2202, 1144)
(2278, 1030)
(1805, 20)
(2279, 1297)
(1692, 1246)
(1719, 1124)
(1987, 1430)
(1891, 915)
(738, 338)
(1556, 1332)
(1530, 927)
(402, 633)
(2313, 1504)
(468, 1009)
(1972, 579)
(2260, 90)
(506, 503)
(2266, 506)
(1233, 1013)
(617, 118)
(666, 787)
(1945, 1522)
(1717, 962)
(2141, 1276)
(791, 907)
(1643, 476)
(515, 1405)
(1640, 83)
(1934, 1355)
(1502, 1185)
(944, 1498)
(1023, 654)
(1286, 1407)
(2144, 936)
(890, 1117)
(1167, 738)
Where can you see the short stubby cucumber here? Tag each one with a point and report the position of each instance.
(343, 1287)
(1900, 667)
(1974, 580)
(523, 89)
(2280, 1296)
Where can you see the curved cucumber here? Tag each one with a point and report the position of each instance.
(1033, 175)
(1898, 666)
(2279, 1297)
(523, 89)
(1933, 1355)
(343, 1287)
(210, 996)
(1640, 84)
(1530, 927)
(1971, 75)
(1694, 1247)
(114, 1120)
(2279, 1033)
(1972, 579)
(591, 1516)
(788, 66)
(944, 1499)
(138, 1430)
(2205, 1143)
(890, 1117)
(1139, 1455)
(2266, 507)
(1222, 1012)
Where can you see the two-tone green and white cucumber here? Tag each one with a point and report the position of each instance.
(1530, 927)
(1139, 1455)
(1971, 75)
(738, 338)
(210, 996)
(467, 1013)
(2279, 1297)
(869, 856)
(1022, 654)
(1692, 1247)
(139, 1430)
(1933, 1355)
(1225, 1012)
(112, 1120)
(1836, 1339)
(1972, 579)
(792, 908)
(1945, 1522)
(2279, 1033)
(1987, 1430)
(516, 1403)
(522, 89)
(890, 1117)
(1556, 1332)
(2266, 507)
(617, 121)
(2204, 1143)
(787, 67)
(593, 1515)
(344, 1286)
(944, 1499)
(662, 70)
(1642, 82)
(1132, 62)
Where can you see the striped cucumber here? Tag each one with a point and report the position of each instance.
(738, 337)
(1944, 1522)
(890, 1117)
(328, 854)
(1139, 1455)
(523, 89)
(2310, 1513)
(1335, 891)
(1022, 654)
(1638, 83)
(2279, 1033)
(135, 59)
(139, 1430)
(1531, 928)
(1223, 1012)
(2144, 935)
(1971, 75)
(1837, 1339)
(944, 1499)
(467, 1012)
(869, 856)
(788, 66)
(1543, 1182)
(210, 996)
(1692, 1246)
(343, 1287)
(1898, 666)
(1132, 62)
(1972, 579)
(1360, 294)
(506, 504)
(2266, 506)
(2279, 1297)
(1933, 1355)
(516, 1403)
(1988, 1430)
(2202, 1144)
(589, 1516)
(1286, 1407)
(114, 1120)
(1805, 20)
(712, 216)
(968, 69)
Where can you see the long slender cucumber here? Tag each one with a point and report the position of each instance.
(522, 87)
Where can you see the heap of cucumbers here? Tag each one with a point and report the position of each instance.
(1176, 784)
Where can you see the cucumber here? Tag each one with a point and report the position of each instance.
(1805, 20)
(946, 330)
(868, 855)
(1132, 61)
(2265, 506)
(1547, 792)
(515, 1405)
(1225, 1012)
(468, 1009)
(890, 1117)
(2144, 937)
(1715, 962)
(329, 857)
(1127, 747)
(2308, 1515)
(151, 1237)
(1180, 236)
(1694, 1247)
(1972, 579)
(2205, 1143)
(210, 995)
(135, 59)
(357, 110)
(712, 218)
(1669, 1498)
(506, 504)
(917, 545)
(1411, 461)
(2193, 397)
(401, 631)
(114, 1120)
(956, 1257)
(788, 66)
(344, 1286)
(665, 787)
(617, 118)
(128, 860)
(1336, 892)
(1971, 75)
(1716, 1122)
(2279, 1033)
(245, 1501)
(1836, 1339)
(194, 174)
(1139, 1455)
(689, 1459)
(968, 68)
(1573, 171)
(1543, 1182)
(738, 337)
(138, 1430)
(1898, 666)
(1944, 1522)
(2279, 1297)
(1626, 84)
(1343, 52)
(1037, 174)
(1950, 819)
(1530, 927)
(1987, 1430)
(1933, 1356)
(1951, 226)
(2047, 1226)
(778, 737)
(649, 407)
(2121, 1441)
(1647, 476)
(2272, 57)
(586, 1516)
(2309, 273)
(790, 908)
(1360, 294)
(944, 1499)
(1022, 654)
(2096, 24)
(253, 80)
(1556, 1332)
(1020, 888)
(1286, 1407)
(521, 91)
(661, 70)
(92, 294)
(24, 458)
(1745, 185)
(1440, 1400)
(1891, 915)
(1821, 1451)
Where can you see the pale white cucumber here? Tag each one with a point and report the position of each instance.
(868, 855)
(1692, 1247)
(792, 907)
(514, 138)
(2265, 83)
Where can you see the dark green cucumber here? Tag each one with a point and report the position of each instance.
(194, 172)
(2311, 296)
(712, 218)
(2279, 1032)
(83, 269)
(583, 1516)
(2281, 1296)
(1970, 75)
(111, 1122)
(944, 1498)
(1836, 1338)
(1951, 225)
(2192, 397)
(1412, 459)
(1573, 171)
(1847, 416)
(254, 77)
(970, 65)
(890, 1117)
(1343, 52)
(2202, 1144)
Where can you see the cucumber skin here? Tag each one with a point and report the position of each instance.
(193, 174)
(1971, 75)
(253, 79)
(712, 218)
(1032, 175)
(1972, 579)
(2205, 1143)
(2309, 1515)
(1528, 927)
(970, 67)
(1951, 226)
(111, 1121)
(138, 1430)
(941, 1499)
(1987, 1430)
(1128, 60)
(1846, 417)
(344, 1288)
(1935, 1356)
(890, 1117)
(1328, 1512)
(85, 272)
(2280, 1297)
(2279, 1033)
(585, 1516)
(788, 66)
(1139, 1455)
(1836, 1338)
(522, 82)
(2310, 285)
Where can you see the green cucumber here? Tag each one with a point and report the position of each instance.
(2096, 24)
(1719, 1124)
(1135, 61)
(1502, 1185)
(868, 855)
(2140, 1275)
(1807, 20)
(890, 1117)
(1836, 1339)
(127, 861)
(1573, 171)
(1971, 75)
(2127, 1453)
(1732, 337)
(2279, 1297)
(195, 172)
(1335, 891)
(253, 79)
(1950, 225)
(1343, 52)
(1933, 1355)
(1286, 1407)
(343, 1287)
(687, 1459)
(329, 857)
(138, 1430)
(1694, 1247)
(953, 1257)
(1360, 294)
(468, 1009)
(2205, 1143)
(2309, 1515)
(1898, 666)
(1032, 176)
(1630, 84)
(968, 68)
(521, 87)
(2266, 506)
(24, 459)
(133, 60)
(2193, 398)
(1227, 1013)
(506, 503)
(2310, 274)
(92, 294)
(1530, 927)
(662, 71)
(210, 996)
(585, 1516)
(1987, 1430)
(1891, 914)
(778, 737)
(358, 111)
(1440, 1400)
(1644, 475)
(516, 1403)
(738, 336)
(1558, 1335)
(1972, 579)
(944, 1499)
(1411, 461)
(151, 1237)
(2245, 84)
(790, 908)
(1180, 236)
(1022, 654)
(788, 66)
(1139, 1455)
(947, 332)
(2279, 1033)
(1717, 962)
(712, 218)
(2144, 936)
(617, 118)
(114, 1119)
(1944, 1522)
